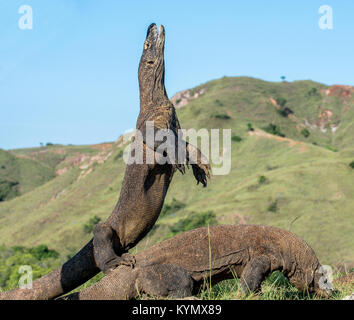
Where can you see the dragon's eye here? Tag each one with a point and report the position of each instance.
(147, 45)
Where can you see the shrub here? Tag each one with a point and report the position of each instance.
(351, 164)
(305, 132)
(8, 190)
(250, 127)
(263, 180)
(41, 252)
(173, 207)
(194, 220)
(90, 225)
(41, 259)
(218, 103)
(222, 116)
(281, 101)
(118, 155)
(273, 207)
(282, 113)
(285, 112)
(274, 129)
(313, 92)
(236, 139)
(49, 144)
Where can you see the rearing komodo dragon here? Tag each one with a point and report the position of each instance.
(179, 266)
(144, 186)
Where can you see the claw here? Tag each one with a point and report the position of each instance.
(128, 259)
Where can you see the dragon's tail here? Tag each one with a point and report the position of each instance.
(69, 276)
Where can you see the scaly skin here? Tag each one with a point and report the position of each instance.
(143, 191)
(179, 266)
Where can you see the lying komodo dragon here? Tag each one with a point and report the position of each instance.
(179, 266)
(144, 186)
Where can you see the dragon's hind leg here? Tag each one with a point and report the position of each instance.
(165, 280)
(255, 271)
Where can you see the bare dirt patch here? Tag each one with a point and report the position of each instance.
(340, 91)
(291, 143)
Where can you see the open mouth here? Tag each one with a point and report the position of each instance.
(156, 36)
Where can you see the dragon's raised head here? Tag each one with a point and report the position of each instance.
(152, 65)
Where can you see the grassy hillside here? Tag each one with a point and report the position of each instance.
(20, 175)
(23, 170)
(302, 182)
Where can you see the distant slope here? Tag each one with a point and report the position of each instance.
(308, 186)
(327, 112)
(23, 170)
(20, 175)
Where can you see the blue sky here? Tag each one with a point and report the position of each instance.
(72, 79)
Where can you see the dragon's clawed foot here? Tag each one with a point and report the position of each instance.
(180, 167)
(128, 260)
(201, 172)
(125, 259)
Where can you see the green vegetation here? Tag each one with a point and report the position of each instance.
(313, 92)
(331, 148)
(282, 112)
(20, 175)
(193, 220)
(236, 139)
(275, 287)
(351, 164)
(273, 207)
(222, 116)
(218, 103)
(8, 190)
(90, 225)
(263, 180)
(41, 259)
(273, 129)
(250, 127)
(172, 208)
(305, 132)
(118, 155)
(281, 101)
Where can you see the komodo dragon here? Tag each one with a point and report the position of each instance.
(144, 186)
(179, 266)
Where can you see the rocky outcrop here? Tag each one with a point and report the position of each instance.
(182, 98)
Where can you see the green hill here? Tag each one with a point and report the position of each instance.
(23, 170)
(292, 171)
(20, 175)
